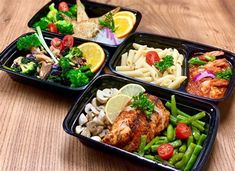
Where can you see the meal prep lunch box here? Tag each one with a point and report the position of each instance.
(11, 52)
(187, 48)
(185, 103)
(93, 9)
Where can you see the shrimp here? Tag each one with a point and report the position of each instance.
(217, 65)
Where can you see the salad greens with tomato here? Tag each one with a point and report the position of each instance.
(181, 143)
(61, 63)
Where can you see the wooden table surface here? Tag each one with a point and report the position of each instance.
(31, 133)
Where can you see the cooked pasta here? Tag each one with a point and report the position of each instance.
(134, 64)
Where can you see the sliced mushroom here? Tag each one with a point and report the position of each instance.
(110, 92)
(89, 116)
(79, 129)
(42, 57)
(45, 69)
(85, 132)
(102, 116)
(98, 121)
(103, 133)
(94, 128)
(94, 102)
(96, 138)
(82, 119)
(17, 60)
(90, 108)
(102, 97)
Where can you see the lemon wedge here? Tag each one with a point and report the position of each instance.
(131, 90)
(115, 106)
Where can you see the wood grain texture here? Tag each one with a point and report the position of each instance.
(31, 134)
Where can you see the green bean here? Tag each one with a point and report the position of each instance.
(150, 157)
(201, 139)
(196, 133)
(173, 106)
(197, 116)
(181, 164)
(181, 118)
(161, 142)
(175, 158)
(153, 141)
(173, 120)
(154, 148)
(176, 143)
(198, 126)
(179, 112)
(193, 158)
(143, 140)
(164, 133)
(183, 148)
(190, 140)
(170, 133)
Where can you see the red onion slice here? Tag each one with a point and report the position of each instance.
(202, 75)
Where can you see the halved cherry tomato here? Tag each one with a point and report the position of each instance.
(182, 131)
(63, 6)
(52, 28)
(165, 151)
(152, 57)
(68, 41)
(57, 43)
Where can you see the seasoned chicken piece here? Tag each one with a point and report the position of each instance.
(130, 125)
(139, 128)
(121, 130)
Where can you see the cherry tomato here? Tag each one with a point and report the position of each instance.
(63, 6)
(165, 151)
(182, 131)
(68, 41)
(52, 28)
(57, 43)
(152, 57)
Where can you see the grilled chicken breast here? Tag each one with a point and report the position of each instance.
(132, 123)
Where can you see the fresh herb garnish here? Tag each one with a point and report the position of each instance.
(143, 103)
(108, 22)
(196, 61)
(226, 74)
(166, 62)
(210, 58)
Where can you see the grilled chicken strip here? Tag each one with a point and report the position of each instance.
(131, 124)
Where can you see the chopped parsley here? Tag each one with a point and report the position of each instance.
(196, 61)
(226, 74)
(143, 103)
(166, 62)
(108, 22)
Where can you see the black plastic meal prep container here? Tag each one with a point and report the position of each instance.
(11, 52)
(187, 104)
(185, 47)
(93, 9)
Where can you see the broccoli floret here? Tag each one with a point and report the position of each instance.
(52, 13)
(29, 68)
(64, 27)
(65, 64)
(27, 42)
(43, 23)
(73, 10)
(74, 52)
(60, 13)
(77, 78)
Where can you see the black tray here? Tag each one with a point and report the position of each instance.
(187, 104)
(11, 52)
(187, 48)
(93, 9)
